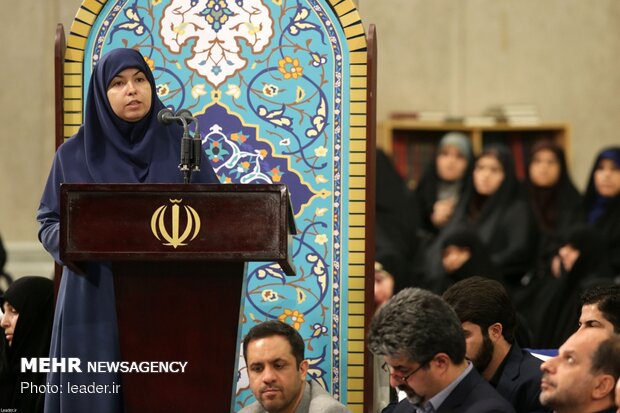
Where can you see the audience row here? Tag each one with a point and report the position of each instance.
(543, 240)
(461, 353)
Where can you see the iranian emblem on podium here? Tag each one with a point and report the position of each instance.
(166, 224)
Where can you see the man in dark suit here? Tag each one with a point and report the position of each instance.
(489, 322)
(423, 346)
(600, 308)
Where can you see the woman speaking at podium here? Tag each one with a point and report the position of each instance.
(120, 141)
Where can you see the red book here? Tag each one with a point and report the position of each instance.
(516, 146)
(399, 149)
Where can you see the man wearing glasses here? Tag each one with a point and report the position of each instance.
(423, 346)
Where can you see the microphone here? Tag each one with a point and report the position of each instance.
(190, 148)
(185, 114)
(196, 149)
(166, 116)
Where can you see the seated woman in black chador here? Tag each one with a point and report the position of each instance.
(464, 255)
(5, 278)
(28, 307)
(495, 208)
(584, 263)
(602, 201)
(555, 201)
(443, 182)
(395, 234)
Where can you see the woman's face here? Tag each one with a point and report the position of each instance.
(9, 321)
(607, 178)
(451, 163)
(129, 94)
(488, 175)
(545, 169)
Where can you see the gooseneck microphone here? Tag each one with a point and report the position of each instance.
(196, 153)
(166, 117)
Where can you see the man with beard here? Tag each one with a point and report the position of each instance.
(423, 347)
(581, 378)
(489, 321)
(274, 355)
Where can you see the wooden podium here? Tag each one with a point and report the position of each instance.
(178, 254)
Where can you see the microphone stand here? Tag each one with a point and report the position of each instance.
(197, 149)
(191, 149)
(186, 149)
(196, 152)
(196, 143)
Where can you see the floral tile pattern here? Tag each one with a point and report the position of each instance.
(268, 82)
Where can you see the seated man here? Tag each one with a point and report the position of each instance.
(581, 378)
(489, 321)
(618, 396)
(600, 307)
(274, 355)
(610, 350)
(423, 346)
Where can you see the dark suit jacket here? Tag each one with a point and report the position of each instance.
(472, 395)
(520, 381)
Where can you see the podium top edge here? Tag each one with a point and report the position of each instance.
(176, 187)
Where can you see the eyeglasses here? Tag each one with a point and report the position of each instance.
(403, 379)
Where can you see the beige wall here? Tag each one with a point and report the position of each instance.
(27, 116)
(461, 56)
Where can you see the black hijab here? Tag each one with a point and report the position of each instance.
(427, 190)
(396, 224)
(556, 208)
(108, 149)
(2, 256)
(559, 299)
(502, 220)
(603, 213)
(33, 298)
(549, 204)
(596, 205)
(481, 207)
(5, 278)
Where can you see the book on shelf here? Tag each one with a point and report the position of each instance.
(421, 115)
(472, 120)
(399, 154)
(431, 116)
(520, 120)
(513, 109)
(515, 114)
(404, 115)
(411, 158)
(518, 155)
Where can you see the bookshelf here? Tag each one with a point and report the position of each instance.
(412, 143)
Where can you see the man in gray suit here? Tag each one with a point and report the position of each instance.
(274, 355)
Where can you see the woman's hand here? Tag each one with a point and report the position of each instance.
(442, 212)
